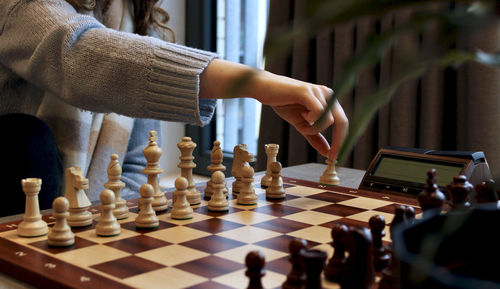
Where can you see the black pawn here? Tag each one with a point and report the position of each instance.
(358, 272)
(459, 190)
(296, 279)
(410, 214)
(334, 268)
(381, 256)
(431, 199)
(314, 262)
(485, 193)
(255, 262)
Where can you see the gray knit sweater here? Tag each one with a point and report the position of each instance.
(66, 68)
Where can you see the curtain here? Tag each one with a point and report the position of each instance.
(446, 109)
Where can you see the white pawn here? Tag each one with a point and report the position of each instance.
(107, 226)
(146, 219)
(329, 176)
(32, 224)
(247, 194)
(275, 189)
(181, 209)
(60, 235)
(218, 201)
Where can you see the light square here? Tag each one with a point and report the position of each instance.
(239, 254)
(302, 191)
(312, 217)
(92, 255)
(12, 236)
(92, 236)
(178, 234)
(316, 233)
(131, 218)
(366, 215)
(306, 203)
(365, 203)
(172, 255)
(247, 217)
(238, 279)
(171, 278)
(249, 234)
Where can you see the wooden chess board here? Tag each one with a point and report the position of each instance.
(205, 252)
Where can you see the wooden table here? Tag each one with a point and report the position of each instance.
(350, 178)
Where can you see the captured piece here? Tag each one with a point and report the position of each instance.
(187, 146)
(181, 209)
(32, 224)
(79, 204)
(271, 153)
(247, 194)
(115, 184)
(276, 190)
(152, 153)
(107, 226)
(216, 157)
(329, 176)
(460, 190)
(296, 279)
(218, 202)
(60, 235)
(146, 219)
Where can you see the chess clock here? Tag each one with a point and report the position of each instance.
(404, 170)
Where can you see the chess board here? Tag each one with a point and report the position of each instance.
(207, 251)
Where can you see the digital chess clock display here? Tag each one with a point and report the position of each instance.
(415, 170)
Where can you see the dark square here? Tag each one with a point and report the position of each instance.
(277, 210)
(204, 211)
(331, 197)
(346, 221)
(210, 285)
(287, 197)
(391, 209)
(281, 243)
(131, 226)
(137, 244)
(282, 225)
(127, 267)
(281, 265)
(79, 243)
(210, 267)
(339, 210)
(212, 244)
(214, 225)
(286, 186)
(83, 229)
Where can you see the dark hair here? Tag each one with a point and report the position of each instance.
(146, 13)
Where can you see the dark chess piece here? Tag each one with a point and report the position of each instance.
(296, 279)
(399, 217)
(314, 262)
(358, 272)
(485, 193)
(381, 256)
(255, 262)
(431, 199)
(460, 190)
(410, 214)
(334, 268)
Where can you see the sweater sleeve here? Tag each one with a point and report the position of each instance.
(95, 68)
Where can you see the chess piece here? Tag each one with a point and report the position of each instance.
(215, 165)
(79, 204)
(358, 271)
(329, 176)
(60, 235)
(181, 209)
(314, 262)
(186, 146)
(32, 224)
(334, 268)
(146, 219)
(485, 193)
(275, 190)
(152, 152)
(271, 153)
(107, 226)
(218, 202)
(115, 184)
(297, 277)
(255, 262)
(431, 199)
(391, 274)
(410, 214)
(460, 190)
(241, 158)
(381, 256)
(247, 194)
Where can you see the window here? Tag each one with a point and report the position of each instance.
(239, 30)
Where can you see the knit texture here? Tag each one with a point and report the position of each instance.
(68, 69)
